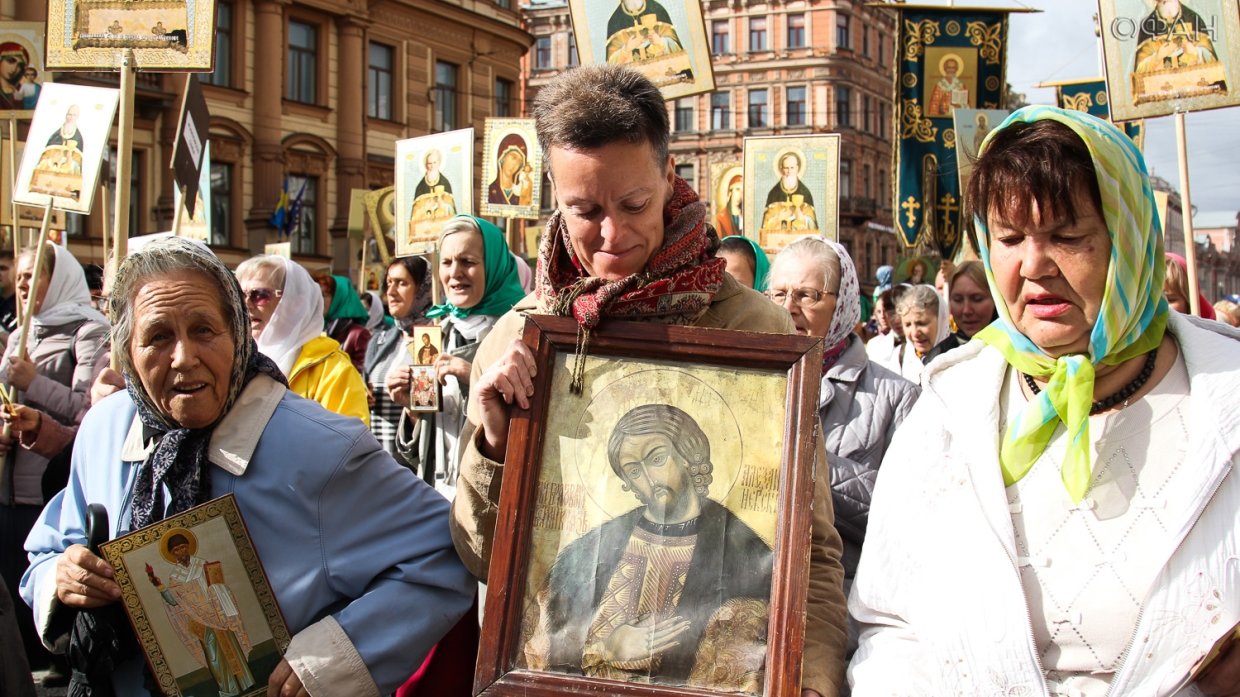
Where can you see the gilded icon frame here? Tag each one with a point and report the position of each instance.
(218, 533)
(732, 374)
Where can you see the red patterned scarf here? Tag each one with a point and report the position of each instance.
(676, 286)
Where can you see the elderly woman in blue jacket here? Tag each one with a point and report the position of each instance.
(349, 539)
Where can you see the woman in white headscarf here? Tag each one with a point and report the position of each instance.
(378, 318)
(286, 319)
(54, 377)
(860, 403)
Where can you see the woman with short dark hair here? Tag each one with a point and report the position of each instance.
(1058, 514)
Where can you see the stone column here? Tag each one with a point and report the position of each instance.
(268, 94)
(350, 117)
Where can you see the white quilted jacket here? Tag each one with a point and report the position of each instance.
(938, 595)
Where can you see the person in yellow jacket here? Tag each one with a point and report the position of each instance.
(286, 320)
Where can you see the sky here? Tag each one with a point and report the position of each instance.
(1058, 44)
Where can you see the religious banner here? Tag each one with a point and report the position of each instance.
(948, 59)
(1090, 96)
(791, 186)
(665, 41)
(434, 183)
(65, 147)
(163, 34)
(972, 126)
(1170, 56)
(22, 72)
(727, 193)
(511, 169)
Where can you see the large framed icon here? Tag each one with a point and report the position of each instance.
(654, 523)
(164, 35)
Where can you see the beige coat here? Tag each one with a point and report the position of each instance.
(475, 509)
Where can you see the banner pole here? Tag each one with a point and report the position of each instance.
(39, 250)
(176, 219)
(124, 162)
(105, 195)
(1190, 244)
(16, 231)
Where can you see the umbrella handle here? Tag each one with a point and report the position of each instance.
(96, 526)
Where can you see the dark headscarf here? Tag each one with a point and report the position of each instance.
(179, 459)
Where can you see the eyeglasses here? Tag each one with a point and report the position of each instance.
(261, 296)
(800, 296)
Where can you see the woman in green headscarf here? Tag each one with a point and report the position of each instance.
(480, 283)
(345, 317)
(1058, 514)
(746, 261)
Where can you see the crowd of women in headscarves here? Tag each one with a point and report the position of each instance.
(1030, 464)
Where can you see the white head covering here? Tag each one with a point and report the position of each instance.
(375, 323)
(297, 319)
(68, 296)
(847, 300)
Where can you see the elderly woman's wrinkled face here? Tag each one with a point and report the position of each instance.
(799, 277)
(262, 297)
(920, 328)
(1052, 275)
(25, 272)
(182, 347)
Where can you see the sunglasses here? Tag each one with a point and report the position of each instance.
(261, 296)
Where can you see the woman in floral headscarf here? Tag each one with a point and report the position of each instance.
(860, 403)
(1058, 514)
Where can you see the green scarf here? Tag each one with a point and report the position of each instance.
(346, 304)
(1131, 321)
(761, 265)
(501, 284)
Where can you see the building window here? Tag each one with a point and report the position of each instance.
(796, 31)
(305, 189)
(757, 108)
(573, 58)
(843, 37)
(757, 34)
(686, 172)
(865, 181)
(222, 75)
(845, 178)
(720, 37)
(865, 113)
(796, 106)
(542, 53)
(221, 203)
(445, 96)
(379, 99)
(882, 118)
(865, 41)
(720, 110)
(883, 194)
(303, 50)
(504, 4)
(135, 186)
(843, 103)
(684, 115)
(503, 97)
(881, 57)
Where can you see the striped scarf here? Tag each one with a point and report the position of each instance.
(1131, 321)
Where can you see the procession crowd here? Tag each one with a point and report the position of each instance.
(1024, 482)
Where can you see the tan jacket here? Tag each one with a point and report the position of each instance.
(475, 508)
